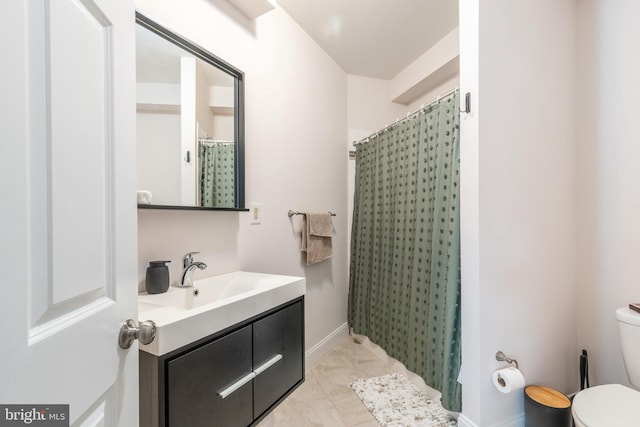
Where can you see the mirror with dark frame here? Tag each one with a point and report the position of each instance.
(190, 124)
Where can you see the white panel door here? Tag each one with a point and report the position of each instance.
(68, 217)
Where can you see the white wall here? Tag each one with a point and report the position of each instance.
(518, 200)
(369, 104)
(295, 102)
(609, 202)
(435, 92)
(158, 136)
(296, 111)
(204, 117)
(473, 376)
(550, 252)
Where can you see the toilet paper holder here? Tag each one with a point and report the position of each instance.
(501, 357)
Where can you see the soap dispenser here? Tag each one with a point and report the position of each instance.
(157, 280)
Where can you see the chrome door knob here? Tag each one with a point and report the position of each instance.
(130, 331)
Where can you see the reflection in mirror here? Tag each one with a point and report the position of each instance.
(189, 123)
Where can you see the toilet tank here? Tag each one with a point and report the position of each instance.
(629, 327)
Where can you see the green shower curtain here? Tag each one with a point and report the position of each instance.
(217, 176)
(404, 279)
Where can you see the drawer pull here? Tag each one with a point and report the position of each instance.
(233, 387)
(251, 375)
(266, 365)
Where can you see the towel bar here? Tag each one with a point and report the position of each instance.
(292, 213)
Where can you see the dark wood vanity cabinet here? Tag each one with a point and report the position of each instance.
(195, 378)
(279, 333)
(254, 364)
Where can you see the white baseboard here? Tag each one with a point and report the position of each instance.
(325, 345)
(465, 422)
(517, 421)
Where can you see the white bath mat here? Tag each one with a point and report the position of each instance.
(395, 402)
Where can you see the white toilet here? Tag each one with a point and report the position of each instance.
(614, 405)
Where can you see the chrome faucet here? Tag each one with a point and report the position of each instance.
(188, 266)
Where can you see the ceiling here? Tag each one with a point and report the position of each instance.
(374, 38)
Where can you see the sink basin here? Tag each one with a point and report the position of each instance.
(216, 290)
(184, 315)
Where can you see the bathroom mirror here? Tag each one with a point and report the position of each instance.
(190, 124)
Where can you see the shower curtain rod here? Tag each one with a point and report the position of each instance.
(408, 116)
(222, 141)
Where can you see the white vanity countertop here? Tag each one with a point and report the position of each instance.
(182, 318)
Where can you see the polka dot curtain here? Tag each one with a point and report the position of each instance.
(217, 188)
(404, 279)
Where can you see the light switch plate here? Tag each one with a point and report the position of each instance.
(255, 213)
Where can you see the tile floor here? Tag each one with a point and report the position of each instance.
(326, 397)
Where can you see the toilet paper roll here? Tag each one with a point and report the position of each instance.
(508, 379)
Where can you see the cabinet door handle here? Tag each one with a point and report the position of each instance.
(266, 365)
(233, 387)
(251, 375)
